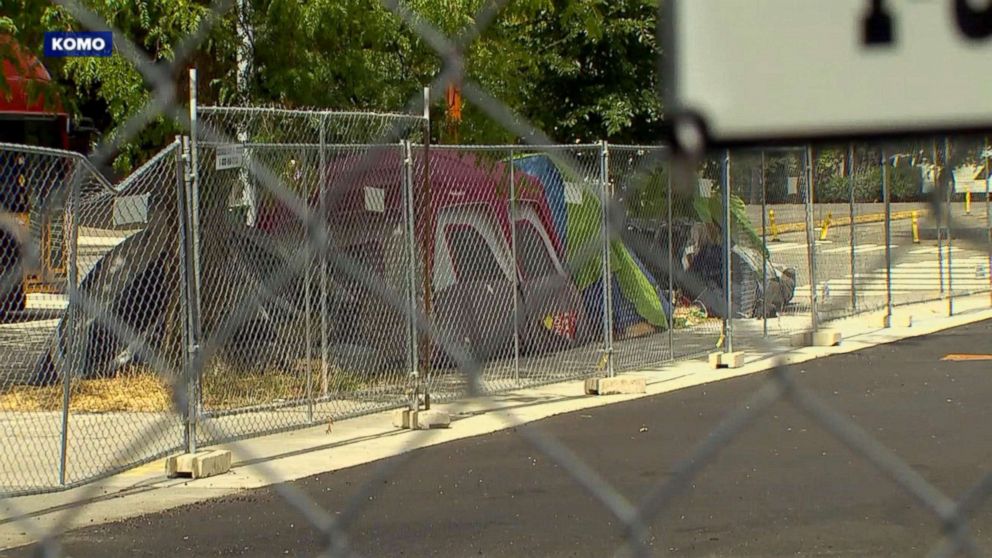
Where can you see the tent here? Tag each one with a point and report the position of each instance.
(480, 292)
(576, 213)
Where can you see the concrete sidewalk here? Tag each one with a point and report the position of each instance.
(297, 454)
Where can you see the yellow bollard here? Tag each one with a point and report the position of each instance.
(825, 226)
(773, 226)
(916, 227)
(967, 203)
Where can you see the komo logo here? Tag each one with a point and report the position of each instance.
(83, 43)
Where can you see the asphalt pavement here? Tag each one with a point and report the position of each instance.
(783, 487)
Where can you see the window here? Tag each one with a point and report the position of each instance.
(471, 256)
(532, 252)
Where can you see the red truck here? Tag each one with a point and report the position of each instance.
(28, 117)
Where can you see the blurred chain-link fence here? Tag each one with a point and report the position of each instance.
(282, 268)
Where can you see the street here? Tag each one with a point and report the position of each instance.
(785, 486)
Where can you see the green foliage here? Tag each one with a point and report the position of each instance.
(579, 69)
(905, 184)
(710, 210)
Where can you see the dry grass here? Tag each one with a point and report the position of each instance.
(134, 390)
(689, 316)
(139, 389)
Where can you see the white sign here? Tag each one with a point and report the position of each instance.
(759, 70)
(969, 179)
(230, 156)
(705, 186)
(375, 199)
(573, 193)
(792, 185)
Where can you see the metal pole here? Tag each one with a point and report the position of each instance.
(411, 281)
(427, 235)
(728, 282)
(940, 217)
(950, 233)
(516, 279)
(308, 304)
(188, 292)
(72, 282)
(604, 187)
(671, 270)
(764, 246)
(886, 199)
(193, 271)
(988, 219)
(810, 240)
(322, 201)
(851, 228)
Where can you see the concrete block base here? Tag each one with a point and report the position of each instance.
(727, 360)
(826, 338)
(420, 420)
(618, 385)
(896, 320)
(823, 338)
(198, 465)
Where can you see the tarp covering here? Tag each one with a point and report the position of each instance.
(634, 286)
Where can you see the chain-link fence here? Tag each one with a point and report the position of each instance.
(541, 264)
(76, 392)
(281, 268)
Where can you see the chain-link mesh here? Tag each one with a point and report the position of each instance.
(320, 344)
(75, 393)
(286, 267)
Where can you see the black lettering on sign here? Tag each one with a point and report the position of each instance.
(877, 25)
(975, 24)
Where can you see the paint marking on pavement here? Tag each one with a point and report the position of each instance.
(146, 469)
(783, 246)
(857, 249)
(966, 357)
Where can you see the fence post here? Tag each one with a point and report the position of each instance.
(886, 200)
(307, 287)
(604, 189)
(940, 214)
(191, 247)
(671, 268)
(427, 240)
(988, 218)
(411, 286)
(516, 279)
(71, 312)
(325, 246)
(728, 282)
(950, 233)
(188, 290)
(810, 239)
(851, 227)
(764, 248)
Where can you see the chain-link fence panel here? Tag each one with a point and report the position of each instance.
(293, 339)
(786, 230)
(81, 372)
(696, 247)
(762, 289)
(968, 230)
(645, 263)
(508, 257)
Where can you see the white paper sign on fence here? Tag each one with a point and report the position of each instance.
(230, 156)
(375, 199)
